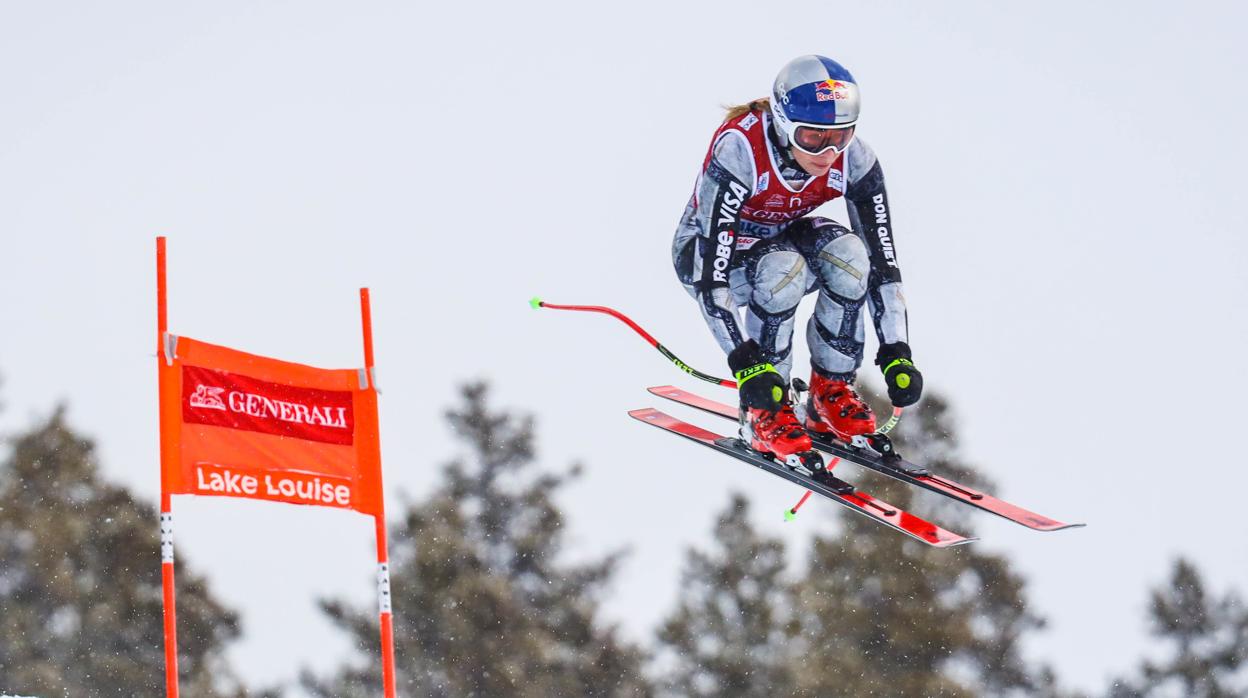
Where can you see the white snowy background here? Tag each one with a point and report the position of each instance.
(1066, 180)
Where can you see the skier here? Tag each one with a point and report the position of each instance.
(745, 242)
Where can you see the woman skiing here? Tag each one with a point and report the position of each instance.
(745, 242)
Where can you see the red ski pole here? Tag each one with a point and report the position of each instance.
(536, 303)
(791, 514)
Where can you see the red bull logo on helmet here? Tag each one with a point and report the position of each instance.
(832, 90)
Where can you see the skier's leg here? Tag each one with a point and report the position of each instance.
(772, 280)
(841, 264)
(777, 277)
(768, 281)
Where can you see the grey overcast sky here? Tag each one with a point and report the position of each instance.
(1066, 180)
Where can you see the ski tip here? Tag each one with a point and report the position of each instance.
(1044, 524)
(947, 539)
(535, 302)
(961, 540)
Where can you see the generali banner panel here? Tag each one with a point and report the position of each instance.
(242, 425)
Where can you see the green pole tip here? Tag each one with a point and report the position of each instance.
(789, 515)
(535, 302)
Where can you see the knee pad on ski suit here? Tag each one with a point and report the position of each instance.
(840, 264)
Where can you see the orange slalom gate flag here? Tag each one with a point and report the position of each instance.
(240, 425)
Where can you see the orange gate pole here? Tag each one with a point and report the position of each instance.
(166, 508)
(383, 558)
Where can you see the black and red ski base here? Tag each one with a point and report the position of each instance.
(857, 500)
(895, 469)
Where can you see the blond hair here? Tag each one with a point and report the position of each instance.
(760, 104)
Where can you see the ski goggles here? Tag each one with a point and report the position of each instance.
(816, 140)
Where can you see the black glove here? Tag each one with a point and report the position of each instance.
(904, 381)
(758, 382)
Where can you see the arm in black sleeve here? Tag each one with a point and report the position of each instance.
(870, 201)
(725, 222)
(721, 194)
(867, 199)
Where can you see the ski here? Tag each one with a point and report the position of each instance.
(892, 465)
(857, 500)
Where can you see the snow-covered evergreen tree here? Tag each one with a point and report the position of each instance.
(1205, 641)
(483, 604)
(80, 584)
(730, 634)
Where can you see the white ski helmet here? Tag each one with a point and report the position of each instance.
(814, 102)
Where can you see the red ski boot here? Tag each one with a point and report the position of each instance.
(768, 424)
(780, 435)
(775, 432)
(834, 407)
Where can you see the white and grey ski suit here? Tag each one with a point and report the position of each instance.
(746, 244)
